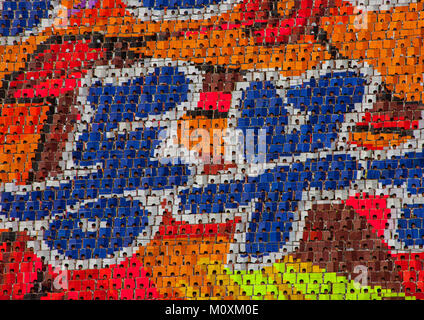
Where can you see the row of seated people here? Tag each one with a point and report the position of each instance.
(285, 182)
(133, 161)
(32, 13)
(276, 191)
(126, 219)
(96, 246)
(122, 274)
(134, 172)
(259, 241)
(121, 158)
(407, 262)
(293, 274)
(230, 292)
(159, 92)
(71, 238)
(137, 280)
(26, 15)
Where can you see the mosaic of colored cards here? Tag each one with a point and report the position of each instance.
(212, 150)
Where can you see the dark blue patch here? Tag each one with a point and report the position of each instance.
(127, 166)
(404, 171)
(23, 14)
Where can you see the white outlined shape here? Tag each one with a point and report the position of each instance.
(103, 74)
